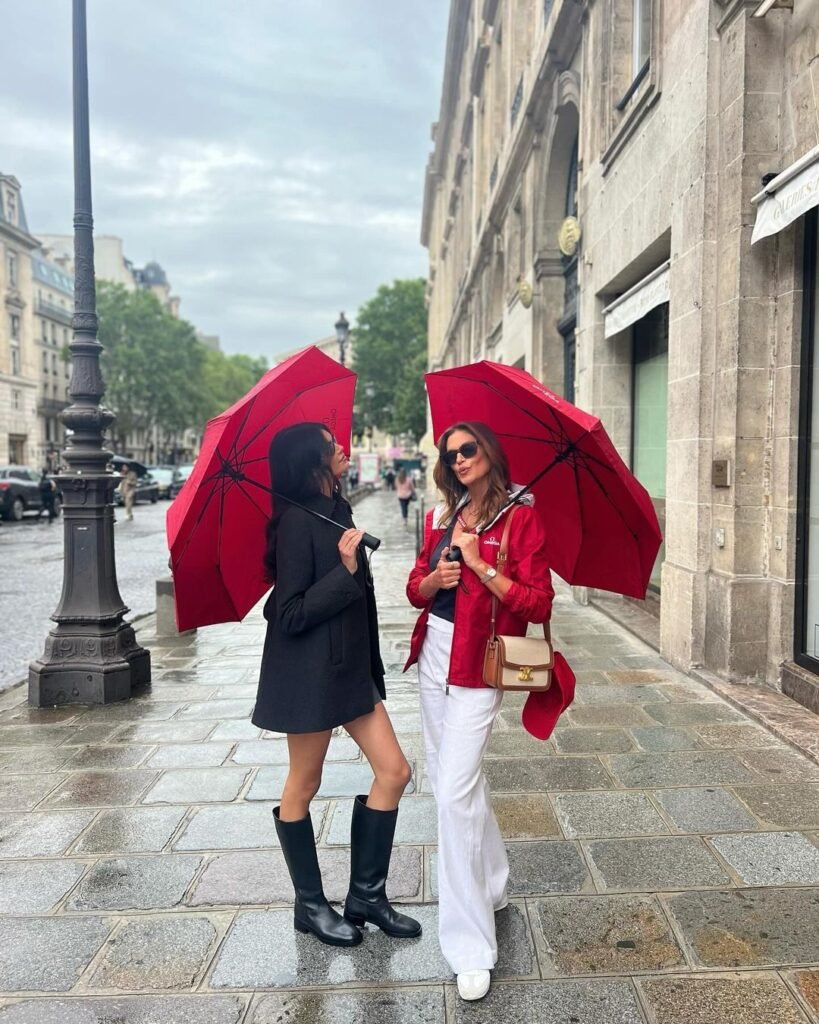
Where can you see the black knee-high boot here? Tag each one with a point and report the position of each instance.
(372, 835)
(311, 912)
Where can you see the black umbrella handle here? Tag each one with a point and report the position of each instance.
(373, 543)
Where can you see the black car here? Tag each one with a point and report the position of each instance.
(180, 475)
(164, 476)
(20, 492)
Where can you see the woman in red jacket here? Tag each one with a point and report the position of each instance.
(457, 708)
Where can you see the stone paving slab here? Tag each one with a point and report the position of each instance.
(34, 887)
(660, 738)
(23, 793)
(157, 953)
(742, 736)
(553, 1002)
(592, 741)
(749, 927)
(384, 1006)
(780, 764)
(190, 755)
(806, 984)
(263, 950)
(525, 816)
(135, 883)
(603, 935)
(679, 768)
(545, 774)
(624, 716)
(197, 785)
(770, 858)
(598, 815)
(705, 810)
(654, 865)
(41, 835)
(208, 1009)
(417, 822)
(48, 954)
(101, 789)
(237, 827)
(260, 878)
(754, 999)
(97, 756)
(34, 760)
(130, 830)
(783, 806)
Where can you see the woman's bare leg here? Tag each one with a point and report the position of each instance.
(375, 735)
(307, 752)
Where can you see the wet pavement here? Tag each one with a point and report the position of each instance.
(664, 849)
(31, 554)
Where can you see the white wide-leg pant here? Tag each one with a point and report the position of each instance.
(472, 865)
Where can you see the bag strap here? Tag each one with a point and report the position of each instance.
(502, 555)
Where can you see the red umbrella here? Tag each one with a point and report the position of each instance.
(601, 525)
(216, 526)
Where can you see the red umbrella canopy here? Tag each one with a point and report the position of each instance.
(601, 524)
(216, 525)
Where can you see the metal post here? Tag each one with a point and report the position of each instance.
(91, 655)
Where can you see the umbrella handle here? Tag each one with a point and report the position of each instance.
(454, 554)
(373, 543)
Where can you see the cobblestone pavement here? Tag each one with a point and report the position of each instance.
(31, 553)
(664, 851)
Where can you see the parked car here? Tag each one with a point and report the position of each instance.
(164, 479)
(181, 474)
(147, 488)
(20, 492)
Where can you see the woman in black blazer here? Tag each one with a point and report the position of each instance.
(322, 668)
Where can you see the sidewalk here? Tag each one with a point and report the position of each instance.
(664, 850)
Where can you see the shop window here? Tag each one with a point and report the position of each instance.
(650, 412)
(807, 530)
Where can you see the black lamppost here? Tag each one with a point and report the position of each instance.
(91, 655)
(342, 334)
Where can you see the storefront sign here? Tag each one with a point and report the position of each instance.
(790, 195)
(652, 291)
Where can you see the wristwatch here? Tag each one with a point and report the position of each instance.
(490, 574)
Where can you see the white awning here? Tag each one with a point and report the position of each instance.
(633, 305)
(787, 197)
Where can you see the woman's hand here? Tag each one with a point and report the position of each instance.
(447, 574)
(348, 548)
(468, 543)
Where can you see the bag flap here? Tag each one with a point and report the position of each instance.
(529, 651)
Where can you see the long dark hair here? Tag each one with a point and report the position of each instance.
(451, 487)
(299, 469)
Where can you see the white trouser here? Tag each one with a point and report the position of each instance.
(472, 865)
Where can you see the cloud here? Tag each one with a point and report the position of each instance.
(269, 155)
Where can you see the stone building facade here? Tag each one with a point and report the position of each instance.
(53, 305)
(19, 433)
(597, 170)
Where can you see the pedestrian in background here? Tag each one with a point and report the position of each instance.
(48, 494)
(405, 492)
(457, 708)
(389, 478)
(127, 487)
(322, 668)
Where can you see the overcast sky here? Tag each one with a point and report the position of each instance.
(268, 153)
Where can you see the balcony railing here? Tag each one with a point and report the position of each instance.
(55, 312)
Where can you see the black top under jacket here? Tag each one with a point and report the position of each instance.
(321, 665)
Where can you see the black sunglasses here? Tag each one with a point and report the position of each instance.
(469, 449)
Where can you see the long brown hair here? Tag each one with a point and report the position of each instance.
(451, 487)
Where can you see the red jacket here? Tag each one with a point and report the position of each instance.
(529, 599)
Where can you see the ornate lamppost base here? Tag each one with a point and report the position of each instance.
(81, 667)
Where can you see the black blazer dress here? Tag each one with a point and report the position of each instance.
(321, 665)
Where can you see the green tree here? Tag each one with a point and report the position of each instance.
(152, 363)
(389, 356)
(227, 378)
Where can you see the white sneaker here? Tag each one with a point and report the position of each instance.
(473, 984)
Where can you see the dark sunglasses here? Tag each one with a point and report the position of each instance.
(469, 449)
